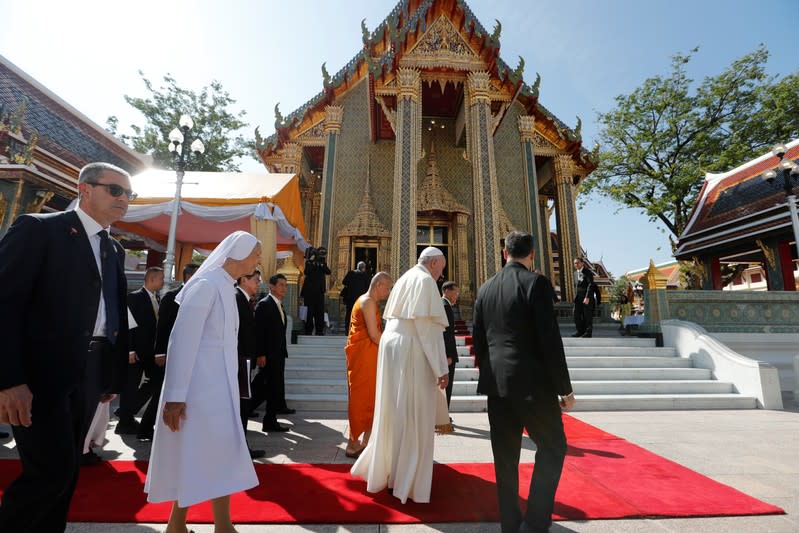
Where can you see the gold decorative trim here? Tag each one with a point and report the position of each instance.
(313, 136)
(334, 116)
(432, 195)
(409, 82)
(769, 253)
(527, 128)
(442, 46)
(479, 88)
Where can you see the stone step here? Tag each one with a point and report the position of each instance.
(620, 351)
(296, 350)
(316, 386)
(593, 402)
(320, 361)
(668, 386)
(628, 362)
(612, 374)
(609, 341)
(310, 372)
(323, 340)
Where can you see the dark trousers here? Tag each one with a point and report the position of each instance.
(347, 316)
(542, 420)
(451, 381)
(269, 385)
(155, 382)
(583, 314)
(135, 392)
(315, 319)
(50, 450)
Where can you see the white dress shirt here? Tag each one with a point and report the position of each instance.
(93, 229)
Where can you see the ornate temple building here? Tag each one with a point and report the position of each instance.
(44, 142)
(427, 137)
(739, 233)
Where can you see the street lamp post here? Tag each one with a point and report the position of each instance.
(789, 170)
(181, 153)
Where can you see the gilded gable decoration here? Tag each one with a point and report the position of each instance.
(366, 222)
(544, 146)
(442, 46)
(432, 195)
(313, 136)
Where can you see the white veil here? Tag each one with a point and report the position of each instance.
(238, 245)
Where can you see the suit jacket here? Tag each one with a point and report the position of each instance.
(583, 282)
(449, 332)
(313, 288)
(49, 295)
(355, 284)
(270, 338)
(516, 337)
(247, 346)
(167, 314)
(142, 337)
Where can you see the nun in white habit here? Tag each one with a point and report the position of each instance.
(199, 451)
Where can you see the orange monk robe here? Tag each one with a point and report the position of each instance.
(361, 372)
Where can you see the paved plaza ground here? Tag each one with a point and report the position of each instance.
(754, 451)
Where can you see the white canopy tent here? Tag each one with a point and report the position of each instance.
(213, 205)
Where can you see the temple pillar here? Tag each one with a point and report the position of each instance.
(656, 306)
(460, 259)
(484, 178)
(545, 261)
(289, 269)
(526, 132)
(334, 116)
(785, 254)
(566, 219)
(407, 152)
(316, 207)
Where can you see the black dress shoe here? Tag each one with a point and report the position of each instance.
(577, 335)
(254, 414)
(274, 426)
(256, 454)
(89, 458)
(4, 435)
(127, 427)
(144, 437)
(286, 411)
(587, 335)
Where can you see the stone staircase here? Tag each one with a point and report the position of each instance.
(608, 374)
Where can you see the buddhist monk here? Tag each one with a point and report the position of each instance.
(361, 350)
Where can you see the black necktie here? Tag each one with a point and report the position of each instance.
(108, 261)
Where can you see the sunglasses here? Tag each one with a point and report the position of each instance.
(115, 190)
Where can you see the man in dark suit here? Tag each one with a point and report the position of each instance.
(313, 293)
(355, 283)
(270, 344)
(65, 345)
(451, 291)
(522, 371)
(167, 314)
(246, 287)
(583, 299)
(143, 305)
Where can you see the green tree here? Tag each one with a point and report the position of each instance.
(216, 126)
(658, 142)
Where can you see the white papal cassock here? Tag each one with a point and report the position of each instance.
(208, 457)
(411, 358)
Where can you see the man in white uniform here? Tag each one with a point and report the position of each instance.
(411, 365)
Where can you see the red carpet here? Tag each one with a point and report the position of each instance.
(604, 477)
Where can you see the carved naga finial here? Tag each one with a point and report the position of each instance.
(364, 33)
(325, 76)
(497, 30)
(578, 129)
(279, 120)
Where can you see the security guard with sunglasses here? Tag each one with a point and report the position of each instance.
(65, 345)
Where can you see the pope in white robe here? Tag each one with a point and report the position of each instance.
(411, 367)
(201, 454)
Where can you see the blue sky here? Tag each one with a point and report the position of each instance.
(263, 52)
